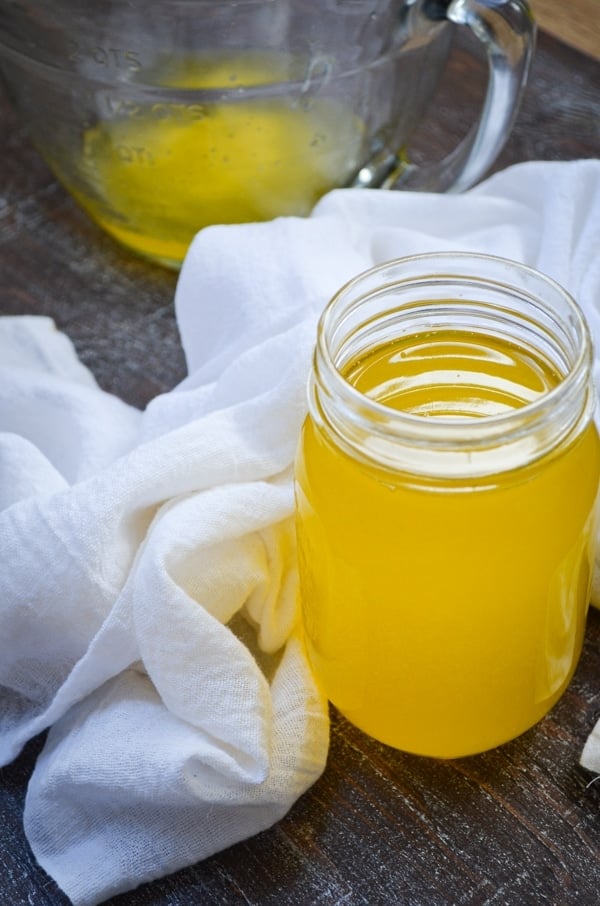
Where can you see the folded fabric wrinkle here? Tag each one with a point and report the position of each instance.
(148, 609)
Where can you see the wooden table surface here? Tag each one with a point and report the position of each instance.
(517, 825)
(576, 22)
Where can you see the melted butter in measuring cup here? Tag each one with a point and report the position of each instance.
(163, 169)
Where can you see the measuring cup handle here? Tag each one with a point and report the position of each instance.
(506, 29)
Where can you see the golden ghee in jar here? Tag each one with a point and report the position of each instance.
(446, 486)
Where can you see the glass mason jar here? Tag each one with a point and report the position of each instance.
(446, 485)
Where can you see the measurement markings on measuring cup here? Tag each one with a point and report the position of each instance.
(111, 57)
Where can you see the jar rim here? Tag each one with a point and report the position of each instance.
(352, 413)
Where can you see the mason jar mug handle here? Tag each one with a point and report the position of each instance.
(506, 29)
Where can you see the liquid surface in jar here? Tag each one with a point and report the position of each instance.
(452, 374)
(446, 617)
(161, 171)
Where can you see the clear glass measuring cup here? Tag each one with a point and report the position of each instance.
(163, 116)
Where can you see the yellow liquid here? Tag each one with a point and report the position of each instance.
(157, 173)
(446, 617)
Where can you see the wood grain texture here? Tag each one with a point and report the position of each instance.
(576, 22)
(517, 826)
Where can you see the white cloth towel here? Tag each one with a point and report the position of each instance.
(147, 584)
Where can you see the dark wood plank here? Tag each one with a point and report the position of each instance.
(518, 825)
